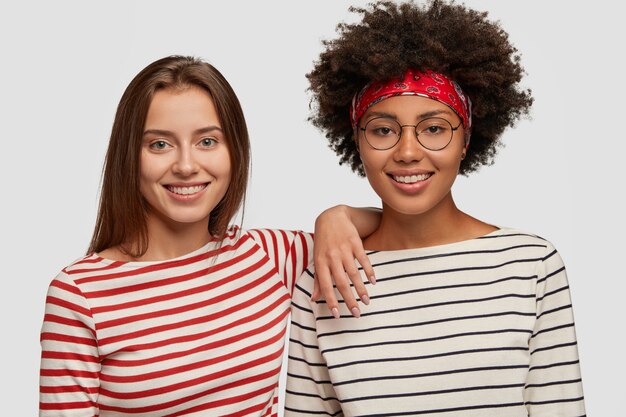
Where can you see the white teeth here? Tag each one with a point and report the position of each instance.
(186, 190)
(410, 179)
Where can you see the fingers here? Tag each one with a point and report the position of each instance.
(354, 276)
(316, 289)
(342, 282)
(325, 287)
(364, 261)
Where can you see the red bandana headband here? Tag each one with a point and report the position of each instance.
(427, 84)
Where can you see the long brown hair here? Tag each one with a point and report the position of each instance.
(122, 211)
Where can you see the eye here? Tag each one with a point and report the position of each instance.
(434, 127)
(383, 131)
(208, 142)
(382, 127)
(159, 145)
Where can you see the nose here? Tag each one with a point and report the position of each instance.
(185, 164)
(408, 148)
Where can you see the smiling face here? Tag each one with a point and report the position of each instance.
(409, 178)
(185, 163)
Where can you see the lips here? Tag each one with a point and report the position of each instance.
(186, 190)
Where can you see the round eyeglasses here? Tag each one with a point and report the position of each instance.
(433, 133)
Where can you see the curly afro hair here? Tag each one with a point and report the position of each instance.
(443, 37)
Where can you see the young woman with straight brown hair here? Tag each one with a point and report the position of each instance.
(172, 311)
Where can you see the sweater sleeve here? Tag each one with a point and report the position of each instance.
(553, 385)
(309, 388)
(290, 251)
(70, 365)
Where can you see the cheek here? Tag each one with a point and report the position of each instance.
(148, 168)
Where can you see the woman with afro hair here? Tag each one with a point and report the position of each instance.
(467, 318)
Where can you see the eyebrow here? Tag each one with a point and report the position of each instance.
(419, 116)
(200, 131)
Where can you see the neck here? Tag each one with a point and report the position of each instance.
(168, 240)
(442, 224)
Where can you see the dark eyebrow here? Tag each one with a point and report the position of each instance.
(200, 131)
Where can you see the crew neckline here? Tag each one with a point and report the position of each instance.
(444, 246)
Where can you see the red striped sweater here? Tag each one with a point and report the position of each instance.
(202, 334)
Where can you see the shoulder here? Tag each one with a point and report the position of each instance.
(510, 237)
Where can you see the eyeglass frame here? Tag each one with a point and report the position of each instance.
(452, 129)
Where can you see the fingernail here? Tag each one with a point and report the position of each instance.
(356, 312)
(335, 312)
(365, 300)
(372, 279)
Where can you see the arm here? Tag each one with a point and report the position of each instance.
(309, 389)
(338, 234)
(70, 366)
(553, 385)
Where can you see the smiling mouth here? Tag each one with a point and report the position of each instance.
(410, 179)
(186, 190)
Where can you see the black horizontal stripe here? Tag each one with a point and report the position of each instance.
(455, 270)
(429, 374)
(445, 410)
(554, 310)
(552, 329)
(422, 357)
(440, 304)
(551, 274)
(426, 323)
(304, 394)
(301, 343)
(553, 365)
(550, 293)
(296, 359)
(550, 255)
(509, 235)
(435, 392)
(447, 287)
(302, 326)
(429, 339)
(552, 383)
(556, 401)
(299, 307)
(315, 413)
(462, 253)
(306, 378)
(560, 345)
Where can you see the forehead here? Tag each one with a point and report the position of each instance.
(191, 105)
(408, 107)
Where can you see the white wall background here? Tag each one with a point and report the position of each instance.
(66, 63)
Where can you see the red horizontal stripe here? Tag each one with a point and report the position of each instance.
(68, 339)
(192, 337)
(62, 389)
(182, 309)
(69, 356)
(171, 280)
(162, 406)
(53, 318)
(65, 286)
(66, 304)
(66, 405)
(68, 372)
(209, 346)
(112, 265)
(179, 294)
(181, 369)
(162, 265)
(226, 401)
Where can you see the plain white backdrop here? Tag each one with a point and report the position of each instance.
(65, 65)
